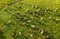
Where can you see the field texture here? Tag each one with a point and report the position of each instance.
(29, 19)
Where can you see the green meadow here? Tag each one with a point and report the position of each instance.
(29, 19)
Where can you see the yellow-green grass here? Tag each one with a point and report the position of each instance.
(19, 19)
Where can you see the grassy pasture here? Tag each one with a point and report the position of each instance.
(29, 19)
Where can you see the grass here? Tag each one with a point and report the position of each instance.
(30, 19)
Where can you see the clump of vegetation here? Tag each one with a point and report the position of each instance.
(29, 19)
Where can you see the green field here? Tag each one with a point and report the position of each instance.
(29, 19)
